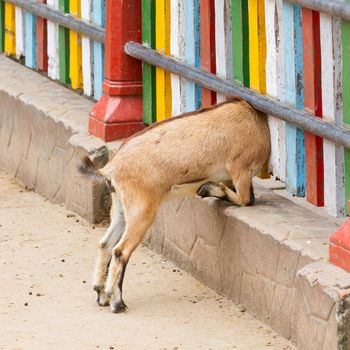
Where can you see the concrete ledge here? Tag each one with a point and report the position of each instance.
(271, 257)
(41, 125)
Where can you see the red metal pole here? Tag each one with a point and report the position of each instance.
(118, 114)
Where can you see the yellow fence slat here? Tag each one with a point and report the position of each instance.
(75, 71)
(257, 53)
(163, 79)
(10, 29)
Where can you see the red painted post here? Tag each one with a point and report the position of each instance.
(41, 39)
(207, 32)
(118, 114)
(313, 103)
(339, 246)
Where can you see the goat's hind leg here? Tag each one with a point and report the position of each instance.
(139, 217)
(106, 244)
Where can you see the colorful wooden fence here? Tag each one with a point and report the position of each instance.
(65, 55)
(274, 47)
(293, 54)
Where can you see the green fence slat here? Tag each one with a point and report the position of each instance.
(240, 41)
(148, 71)
(64, 46)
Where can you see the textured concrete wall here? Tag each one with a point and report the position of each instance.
(256, 256)
(40, 122)
(271, 257)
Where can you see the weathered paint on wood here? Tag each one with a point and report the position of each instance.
(75, 50)
(2, 26)
(41, 40)
(332, 112)
(190, 55)
(207, 46)
(257, 53)
(148, 71)
(240, 41)
(30, 40)
(177, 49)
(53, 45)
(19, 32)
(99, 17)
(274, 83)
(197, 46)
(313, 103)
(64, 46)
(257, 45)
(163, 79)
(10, 29)
(223, 41)
(87, 51)
(295, 150)
(345, 28)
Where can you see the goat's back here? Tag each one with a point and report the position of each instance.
(187, 148)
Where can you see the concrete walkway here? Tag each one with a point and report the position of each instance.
(46, 258)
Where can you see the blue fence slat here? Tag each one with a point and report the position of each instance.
(30, 40)
(190, 53)
(99, 17)
(295, 161)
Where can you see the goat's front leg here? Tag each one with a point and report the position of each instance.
(106, 244)
(242, 193)
(138, 219)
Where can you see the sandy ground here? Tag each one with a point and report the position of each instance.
(46, 258)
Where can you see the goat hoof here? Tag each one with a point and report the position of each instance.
(102, 300)
(97, 289)
(118, 307)
(203, 191)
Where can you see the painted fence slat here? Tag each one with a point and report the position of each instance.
(197, 46)
(2, 26)
(10, 29)
(331, 107)
(53, 45)
(148, 71)
(257, 45)
(240, 42)
(99, 17)
(345, 29)
(87, 50)
(274, 83)
(163, 79)
(313, 103)
(295, 150)
(190, 55)
(207, 46)
(41, 40)
(177, 49)
(75, 50)
(257, 53)
(64, 46)
(223, 41)
(30, 41)
(19, 32)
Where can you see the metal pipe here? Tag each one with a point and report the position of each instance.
(90, 30)
(288, 113)
(336, 8)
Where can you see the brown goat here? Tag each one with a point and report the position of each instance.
(193, 153)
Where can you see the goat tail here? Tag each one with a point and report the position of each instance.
(90, 170)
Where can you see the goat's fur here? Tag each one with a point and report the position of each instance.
(193, 153)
